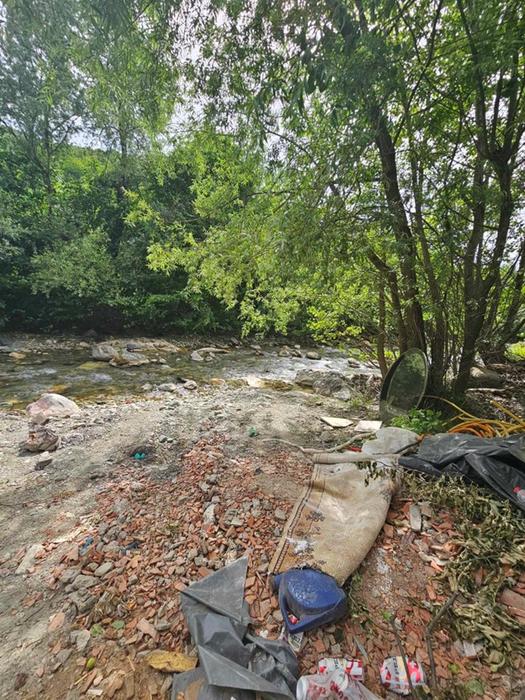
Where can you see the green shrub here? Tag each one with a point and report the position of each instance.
(420, 420)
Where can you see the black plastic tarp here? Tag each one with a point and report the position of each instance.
(495, 462)
(234, 664)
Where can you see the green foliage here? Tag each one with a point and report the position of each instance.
(81, 267)
(421, 420)
(516, 352)
(490, 533)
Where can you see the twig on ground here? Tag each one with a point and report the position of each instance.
(391, 619)
(430, 630)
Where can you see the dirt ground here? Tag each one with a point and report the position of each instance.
(136, 531)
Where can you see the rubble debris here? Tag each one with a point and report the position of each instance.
(41, 439)
(416, 520)
(27, 563)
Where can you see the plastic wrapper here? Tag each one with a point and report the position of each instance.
(352, 667)
(394, 676)
(495, 462)
(333, 685)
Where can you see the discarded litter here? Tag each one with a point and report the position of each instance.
(309, 599)
(495, 462)
(86, 544)
(352, 667)
(404, 385)
(139, 455)
(295, 640)
(335, 422)
(332, 685)
(231, 658)
(252, 432)
(341, 511)
(394, 676)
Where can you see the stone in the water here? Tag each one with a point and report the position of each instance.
(103, 352)
(313, 355)
(100, 377)
(129, 359)
(190, 385)
(52, 405)
(168, 386)
(196, 356)
(133, 347)
(17, 355)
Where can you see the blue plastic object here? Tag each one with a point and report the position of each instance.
(311, 596)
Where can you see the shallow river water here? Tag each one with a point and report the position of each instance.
(74, 374)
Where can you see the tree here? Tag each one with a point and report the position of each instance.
(421, 111)
(41, 96)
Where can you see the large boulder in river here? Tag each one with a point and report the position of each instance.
(103, 352)
(52, 406)
(483, 378)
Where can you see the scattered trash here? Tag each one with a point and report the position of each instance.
(309, 599)
(404, 385)
(332, 685)
(139, 455)
(394, 676)
(252, 432)
(341, 511)
(231, 658)
(295, 640)
(352, 667)
(334, 422)
(91, 663)
(86, 544)
(171, 661)
(495, 462)
(368, 426)
(484, 427)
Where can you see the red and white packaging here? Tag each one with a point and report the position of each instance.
(333, 685)
(352, 667)
(394, 677)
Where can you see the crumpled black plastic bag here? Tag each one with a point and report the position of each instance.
(495, 462)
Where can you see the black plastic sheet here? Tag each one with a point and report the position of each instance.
(495, 462)
(233, 663)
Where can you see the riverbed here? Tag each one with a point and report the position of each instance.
(61, 366)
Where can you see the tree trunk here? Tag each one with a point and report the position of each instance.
(381, 335)
(403, 234)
